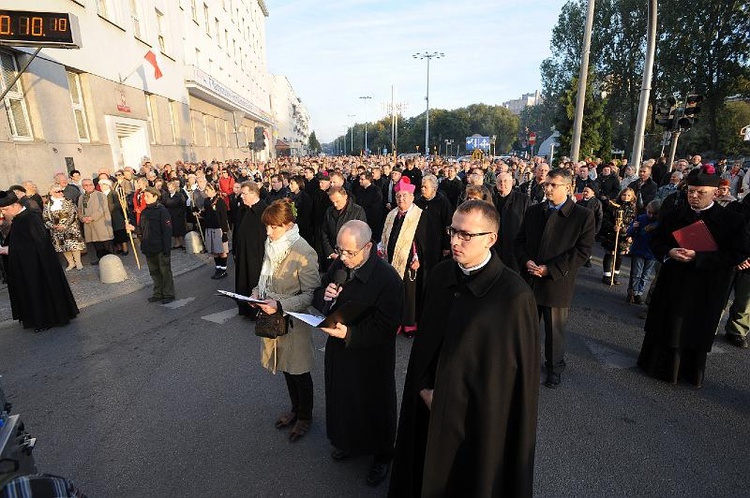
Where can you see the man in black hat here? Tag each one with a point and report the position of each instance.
(40, 296)
(693, 284)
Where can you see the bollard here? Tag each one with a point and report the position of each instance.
(193, 243)
(111, 270)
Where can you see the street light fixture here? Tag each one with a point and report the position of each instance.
(366, 98)
(429, 56)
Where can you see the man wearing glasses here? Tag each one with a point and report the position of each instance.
(360, 356)
(469, 410)
(554, 241)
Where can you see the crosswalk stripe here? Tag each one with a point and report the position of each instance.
(610, 357)
(179, 303)
(221, 317)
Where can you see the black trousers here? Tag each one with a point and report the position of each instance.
(555, 320)
(607, 262)
(300, 389)
(102, 248)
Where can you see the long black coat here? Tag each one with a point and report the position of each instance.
(303, 204)
(38, 288)
(249, 249)
(511, 217)
(645, 192)
(440, 212)
(478, 347)
(177, 206)
(360, 369)
(561, 240)
(332, 223)
(371, 200)
(595, 205)
(609, 187)
(689, 298)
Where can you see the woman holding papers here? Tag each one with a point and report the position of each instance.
(693, 283)
(288, 278)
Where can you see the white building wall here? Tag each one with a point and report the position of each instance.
(291, 116)
(212, 93)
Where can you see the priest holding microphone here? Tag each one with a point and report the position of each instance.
(360, 356)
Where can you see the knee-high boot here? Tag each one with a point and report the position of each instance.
(77, 259)
(69, 259)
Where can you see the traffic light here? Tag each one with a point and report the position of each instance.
(665, 112)
(692, 107)
(260, 140)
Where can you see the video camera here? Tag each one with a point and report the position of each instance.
(16, 445)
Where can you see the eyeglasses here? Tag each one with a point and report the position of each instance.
(463, 235)
(349, 254)
(555, 185)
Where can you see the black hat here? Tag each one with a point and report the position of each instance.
(7, 198)
(703, 177)
(323, 177)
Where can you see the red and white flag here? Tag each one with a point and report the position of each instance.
(151, 58)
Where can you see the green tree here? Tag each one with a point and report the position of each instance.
(312, 144)
(595, 129)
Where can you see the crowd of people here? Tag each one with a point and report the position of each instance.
(468, 258)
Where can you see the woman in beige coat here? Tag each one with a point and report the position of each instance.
(94, 213)
(288, 278)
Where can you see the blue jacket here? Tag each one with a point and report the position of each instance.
(642, 236)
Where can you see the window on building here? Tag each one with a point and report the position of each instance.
(135, 14)
(79, 110)
(194, 11)
(173, 121)
(151, 111)
(15, 104)
(206, 127)
(207, 19)
(217, 30)
(161, 31)
(193, 135)
(197, 58)
(226, 40)
(109, 10)
(226, 132)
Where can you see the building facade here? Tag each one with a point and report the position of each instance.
(527, 99)
(292, 132)
(158, 80)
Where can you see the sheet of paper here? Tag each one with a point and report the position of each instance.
(239, 296)
(313, 320)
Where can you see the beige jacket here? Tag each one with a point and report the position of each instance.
(293, 285)
(97, 207)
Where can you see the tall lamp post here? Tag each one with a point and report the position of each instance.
(366, 98)
(351, 148)
(429, 56)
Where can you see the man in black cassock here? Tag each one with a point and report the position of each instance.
(692, 287)
(409, 245)
(40, 297)
(360, 356)
(437, 206)
(511, 205)
(249, 246)
(469, 409)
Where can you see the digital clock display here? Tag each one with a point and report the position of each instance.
(46, 29)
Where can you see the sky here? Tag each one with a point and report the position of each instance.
(334, 52)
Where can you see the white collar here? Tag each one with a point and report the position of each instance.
(468, 271)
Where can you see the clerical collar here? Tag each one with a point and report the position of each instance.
(473, 269)
(705, 208)
(407, 211)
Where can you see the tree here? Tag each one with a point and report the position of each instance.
(313, 145)
(595, 129)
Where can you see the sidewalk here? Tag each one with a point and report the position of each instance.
(88, 289)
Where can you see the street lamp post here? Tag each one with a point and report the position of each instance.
(351, 148)
(366, 98)
(429, 56)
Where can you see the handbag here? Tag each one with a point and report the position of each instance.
(271, 326)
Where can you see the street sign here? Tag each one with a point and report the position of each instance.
(477, 142)
(745, 133)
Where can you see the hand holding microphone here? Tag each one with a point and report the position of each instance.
(334, 289)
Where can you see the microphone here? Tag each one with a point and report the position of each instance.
(339, 278)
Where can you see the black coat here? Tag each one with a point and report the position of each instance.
(478, 347)
(689, 298)
(303, 205)
(440, 213)
(595, 206)
(360, 369)
(371, 200)
(533, 190)
(452, 189)
(561, 240)
(177, 206)
(332, 223)
(38, 288)
(609, 187)
(645, 192)
(156, 230)
(249, 249)
(511, 216)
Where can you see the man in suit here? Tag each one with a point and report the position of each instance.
(554, 241)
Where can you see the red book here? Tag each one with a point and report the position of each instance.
(696, 237)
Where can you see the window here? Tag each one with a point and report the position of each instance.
(194, 11)
(173, 121)
(79, 111)
(217, 30)
(197, 58)
(109, 10)
(135, 14)
(226, 40)
(192, 127)
(15, 104)
(226, 132)
(206, 136)
(151, 110)
(161, 33)
(207, 19)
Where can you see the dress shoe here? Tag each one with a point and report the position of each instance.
(300, 429)
(339, 455)
(167, 300)
(737, 341)
(41, 329)
(553, 380)
(154, 299)
(95, 263)
(285, 420)
(219, 274)
(377, 474)
(637, 300)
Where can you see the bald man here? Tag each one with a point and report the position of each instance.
(360, 355)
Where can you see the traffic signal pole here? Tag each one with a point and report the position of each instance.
(673, 147)
(582, 76)
(640, 126)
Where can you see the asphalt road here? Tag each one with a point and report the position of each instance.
(138, 399)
